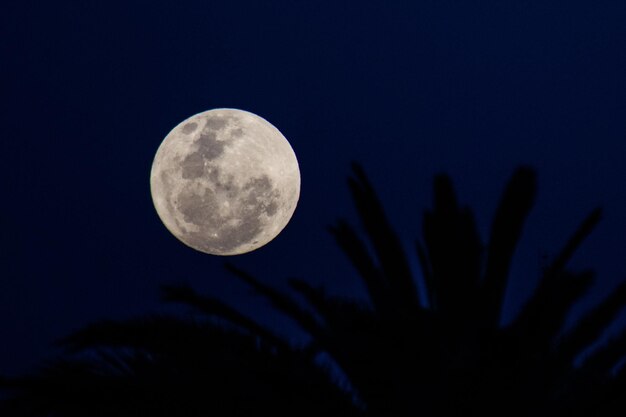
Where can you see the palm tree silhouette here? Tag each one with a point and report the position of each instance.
(166, 366)
(454, 352)
(449, 356)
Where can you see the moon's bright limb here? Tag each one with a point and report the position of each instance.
(225, 181)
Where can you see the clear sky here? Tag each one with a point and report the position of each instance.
(89, 89)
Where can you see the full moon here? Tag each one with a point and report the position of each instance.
(225, 182)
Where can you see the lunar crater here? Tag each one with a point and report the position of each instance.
(190, 128)
(226, 212)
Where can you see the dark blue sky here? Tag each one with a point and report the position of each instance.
(409, 89)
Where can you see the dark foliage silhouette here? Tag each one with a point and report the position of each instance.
(449, 356)
(164, 366)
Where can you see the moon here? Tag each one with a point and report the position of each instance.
(225, 182)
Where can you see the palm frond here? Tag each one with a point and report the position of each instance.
(506, 230)
(603, 359)
(353, 246)
(590, 327)
(217, 308)
(581, 233)
(544, 315)
(558, 289)
(281, 301)
(450, 233)
(427, 274)
(387, 246)
(163, 367)
(180, 340)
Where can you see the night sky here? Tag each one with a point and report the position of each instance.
(409, 89)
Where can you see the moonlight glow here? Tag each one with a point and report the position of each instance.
(225, 182)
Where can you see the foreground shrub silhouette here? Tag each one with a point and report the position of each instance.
(448, 357)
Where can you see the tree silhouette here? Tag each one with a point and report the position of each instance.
(450, 356)
(165, 366)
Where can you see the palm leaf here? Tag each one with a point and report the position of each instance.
(215, 307)
(506, 230)
(356, 250)
(281, 301)
(450, 234)
(389, 251)
(558, 289)
(591, 326)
